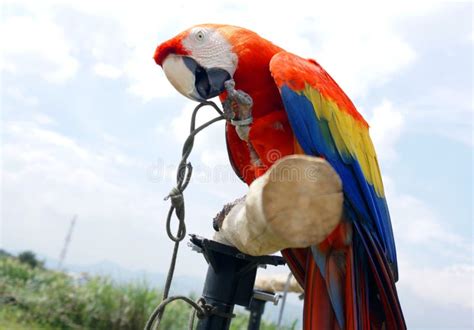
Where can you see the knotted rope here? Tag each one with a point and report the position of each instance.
(183, 176)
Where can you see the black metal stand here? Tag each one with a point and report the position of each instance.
(230, 280)
(256, 308)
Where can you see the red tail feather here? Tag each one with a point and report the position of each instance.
(369, 294)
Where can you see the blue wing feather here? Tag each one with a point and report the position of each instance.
(326, 124)
(313, 136)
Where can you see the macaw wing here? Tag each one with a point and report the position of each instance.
(326, 124)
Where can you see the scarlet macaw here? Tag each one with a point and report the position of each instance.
(349, 279)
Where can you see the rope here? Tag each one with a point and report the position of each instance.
(183, 176)
(285, 294)
(200, 309)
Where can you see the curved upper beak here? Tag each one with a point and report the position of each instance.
(192, 80)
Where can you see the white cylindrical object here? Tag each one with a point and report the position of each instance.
(276, 283)
(296, 203)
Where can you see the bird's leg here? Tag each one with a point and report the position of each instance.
(238, 110)
(238, 104)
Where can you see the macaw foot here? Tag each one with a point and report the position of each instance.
(219, 218)
(296, 203)
(238, 104)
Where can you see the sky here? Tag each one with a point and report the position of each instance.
(90, 126)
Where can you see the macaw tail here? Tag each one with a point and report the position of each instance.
(347, 281)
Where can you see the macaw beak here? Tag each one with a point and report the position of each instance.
(192, 80)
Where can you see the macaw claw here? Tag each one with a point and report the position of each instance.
(237, 105)
(219, 218)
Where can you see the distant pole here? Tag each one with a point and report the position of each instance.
(285, 293)
(62, 256)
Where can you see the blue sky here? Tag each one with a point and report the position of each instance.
(90, 126)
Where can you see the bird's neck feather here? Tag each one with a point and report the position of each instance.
(253, 74)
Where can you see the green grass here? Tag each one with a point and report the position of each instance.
(50, 300)
(37, 298)
(11, 319)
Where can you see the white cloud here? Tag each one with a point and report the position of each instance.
(107, 71)
(368, 53)
(181, 123)
(435, 263)
(43, 119)
(48, 177)
(146, 79)
(365, 55)
(215, 157)
(357, 58)
(210, 149)
(445, 111)
(449, 285)
(36, 45)
(212, 171)
(17, 94)
(386, 125)
(417, 224)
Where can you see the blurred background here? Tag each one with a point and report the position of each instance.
(92, 130)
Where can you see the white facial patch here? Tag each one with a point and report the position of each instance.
(210, 49)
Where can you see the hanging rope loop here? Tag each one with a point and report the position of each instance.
(176, 197)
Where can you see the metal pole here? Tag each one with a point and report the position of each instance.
(230, 280)
(220, 292)
(257, 307)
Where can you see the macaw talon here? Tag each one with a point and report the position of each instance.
(228, 112)
(229, 86)
(219, 218)
(237, 105)
(237, 95)
(238, 110)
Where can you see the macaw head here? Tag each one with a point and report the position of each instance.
(198, 61)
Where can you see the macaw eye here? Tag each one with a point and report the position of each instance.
(200, 36)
